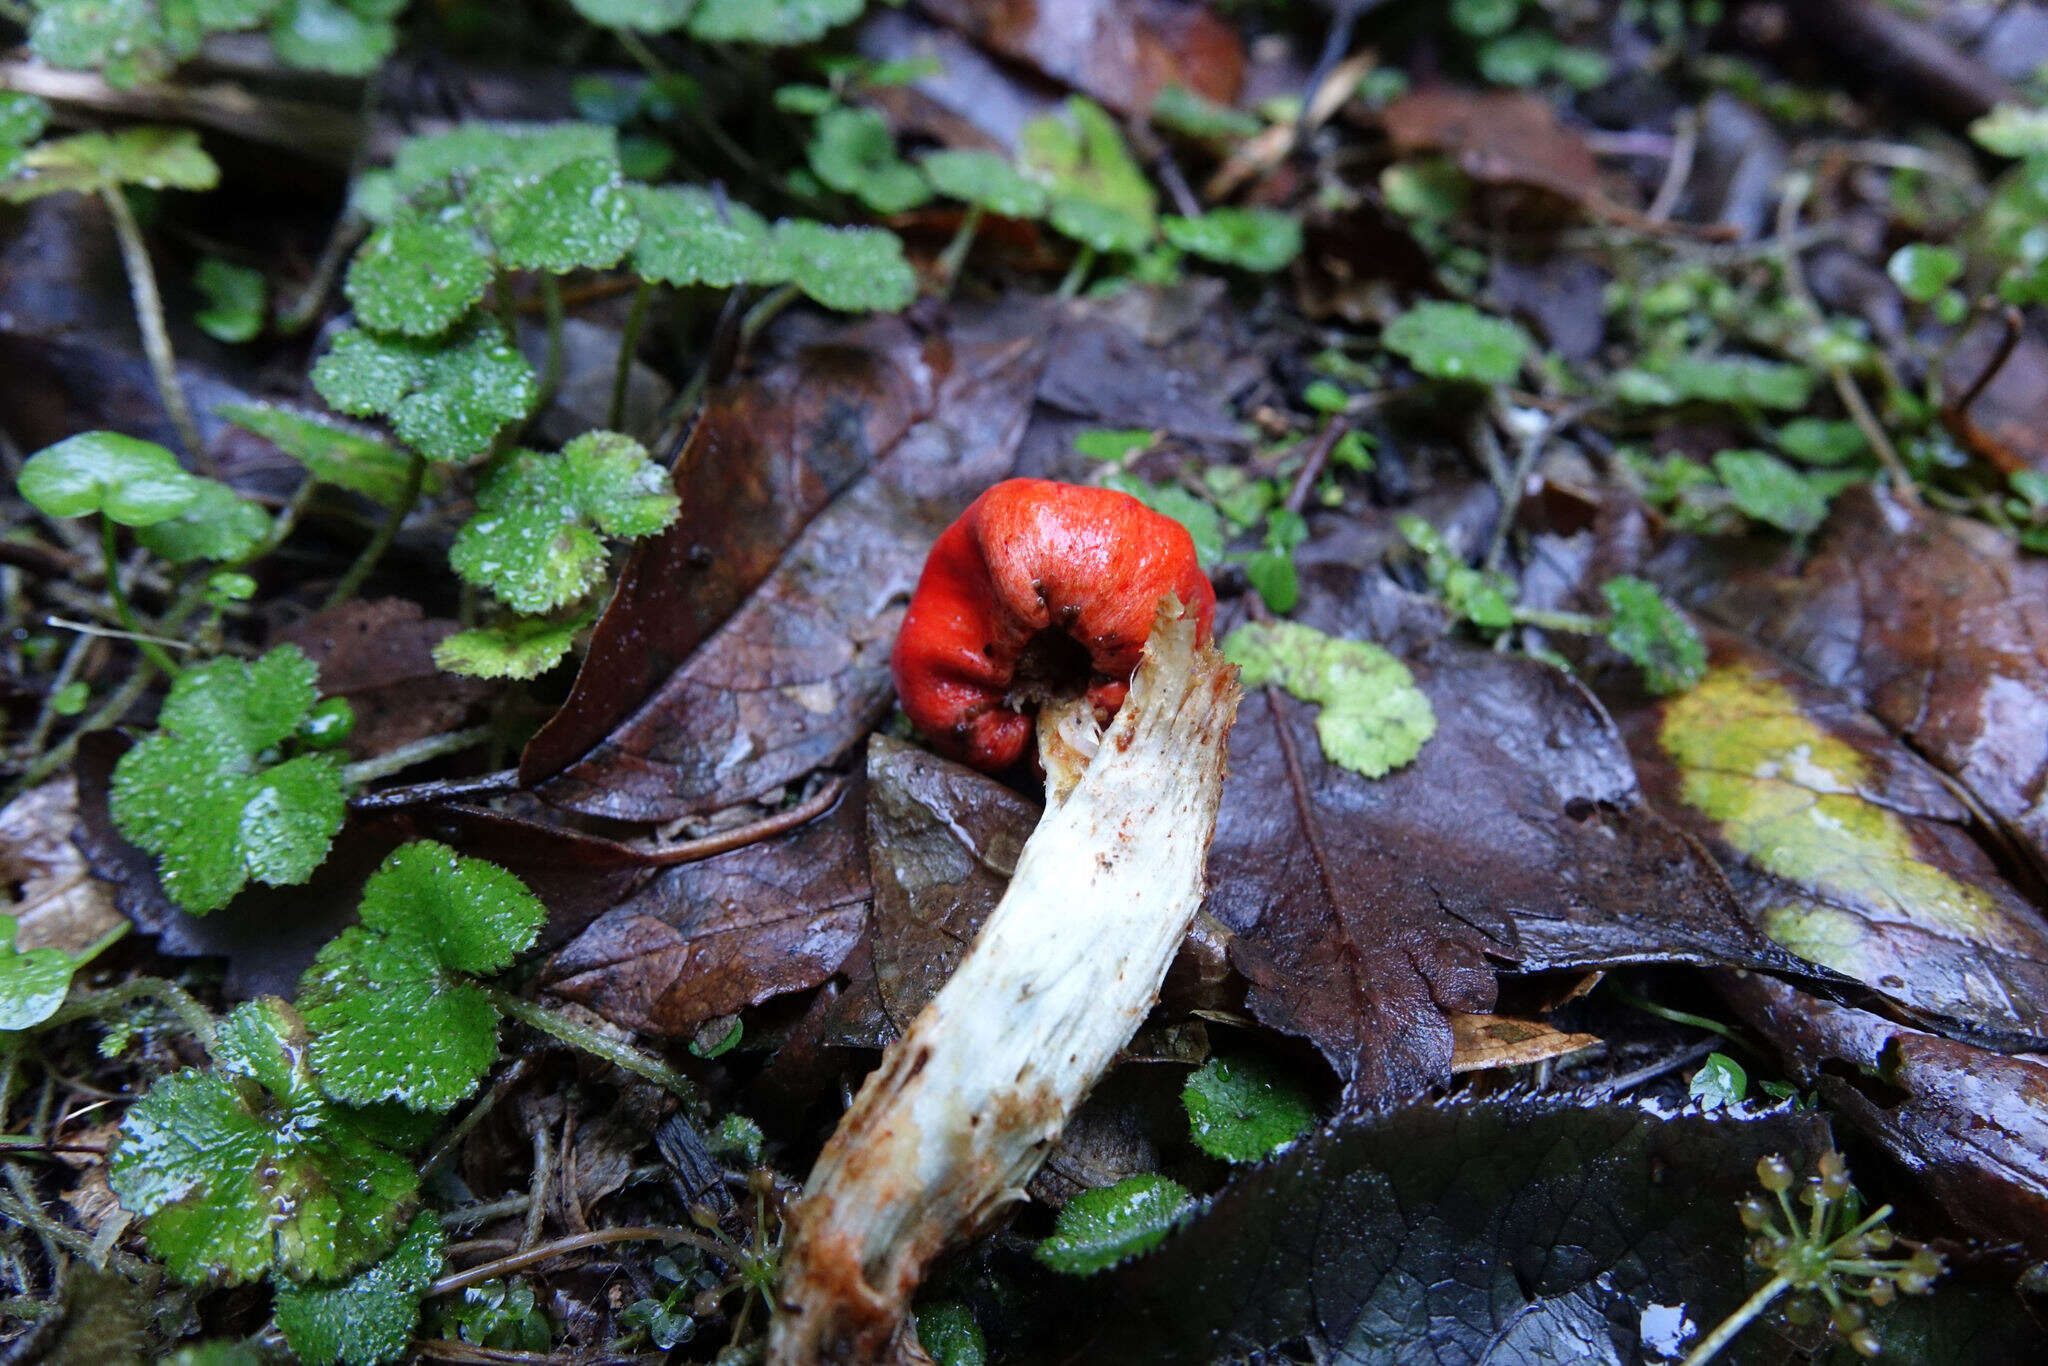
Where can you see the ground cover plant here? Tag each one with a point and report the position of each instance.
(765, 681)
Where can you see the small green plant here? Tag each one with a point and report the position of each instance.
(134, 41)
(1720, 1082)
(1100, 1228)
(1242, 1109)
(431, 921)
(1830, 1258)
(1258, 240)
(34, 982)
(237, 783)
(248, 1165)
(1642, 624)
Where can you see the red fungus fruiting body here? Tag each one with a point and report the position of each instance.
(1029, 557)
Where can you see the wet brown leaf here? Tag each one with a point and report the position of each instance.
(1936, 625)
(1366, 911)
(705, 939)
(378, 654)
(764, 458)
(1119, 52)
(46, 885)
(1970, 1123)
(1843, 844)
(1481, 1042)
(1506, 141)
(1355, 259)
(2007, 422)
(942, 843)
(801, 672)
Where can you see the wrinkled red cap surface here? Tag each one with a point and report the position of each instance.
(1029, 556)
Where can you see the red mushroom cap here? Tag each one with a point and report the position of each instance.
(1027, 557)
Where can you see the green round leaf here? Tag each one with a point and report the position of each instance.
(33, 983)
(573, 216)
(773, 23)
(1263, 240)
(217, 525)
(854, 270)
(130, 481)
(688, 236)
(473, 915)
(1373, 718)
(1242, 1109)
(369, 1319)
(524, 647)
(852, 151)
(643, 16)
(1458, 342)
(1922, 271)
(418, 274)
(985, 180)
(235, 297)
(332, 36)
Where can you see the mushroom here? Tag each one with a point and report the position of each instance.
(1080, 601)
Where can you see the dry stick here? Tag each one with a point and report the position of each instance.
(1678, 171)
(1316, 461)
(740, 836)
(149, 315)
(2014, 322)
(561, 1247)
(1844, 383)
(418, 752)
(437, 790)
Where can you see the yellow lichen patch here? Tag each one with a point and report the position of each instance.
(1790, 797)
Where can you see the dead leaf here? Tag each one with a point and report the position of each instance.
(1843, 844)
(1505, 140)
(378, 654)
(1354, 261)
(1483, 1042)
(56, 901)
(766, 455)
(1121, 53)
(942, 843)
(2006, 423)
(1367, 910)
(800, 673)
(705, 939)
(1969, 1123)
(1936, 625)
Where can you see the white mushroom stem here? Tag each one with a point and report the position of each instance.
(947, 1131)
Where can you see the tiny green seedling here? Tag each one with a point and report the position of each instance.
(1100, 1228)
(235, 300)
(1098, 196)
(431, 920)
(246, 1166)
(230, 788)
(852, 151)
(1830, 1257)
(521, 647)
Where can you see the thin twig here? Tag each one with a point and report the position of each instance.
(1316, 461)
(418, 752)
(740, 836)
(2014, 323)
(1684, 144)
(561, 1247)
(149, 315)
(1844, 383)
(436, 791)
(551, 361)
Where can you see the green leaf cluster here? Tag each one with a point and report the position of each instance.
(248, 1165)
(1259, 240)
(368, 1319)
(133, 41)
(217, 793)
(135, 483)
(447, 398)
(332, 452)
(1098, 195)
(1484, 598)
(1373, 718)
(431, 920)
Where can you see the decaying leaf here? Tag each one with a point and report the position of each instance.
(782, 445)
(798, 675)
(1844, 845)
(1505, 139)
(1368, 909)
(1433, 1233)
(1120, 52)
(705, 939)
(1938, 626)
